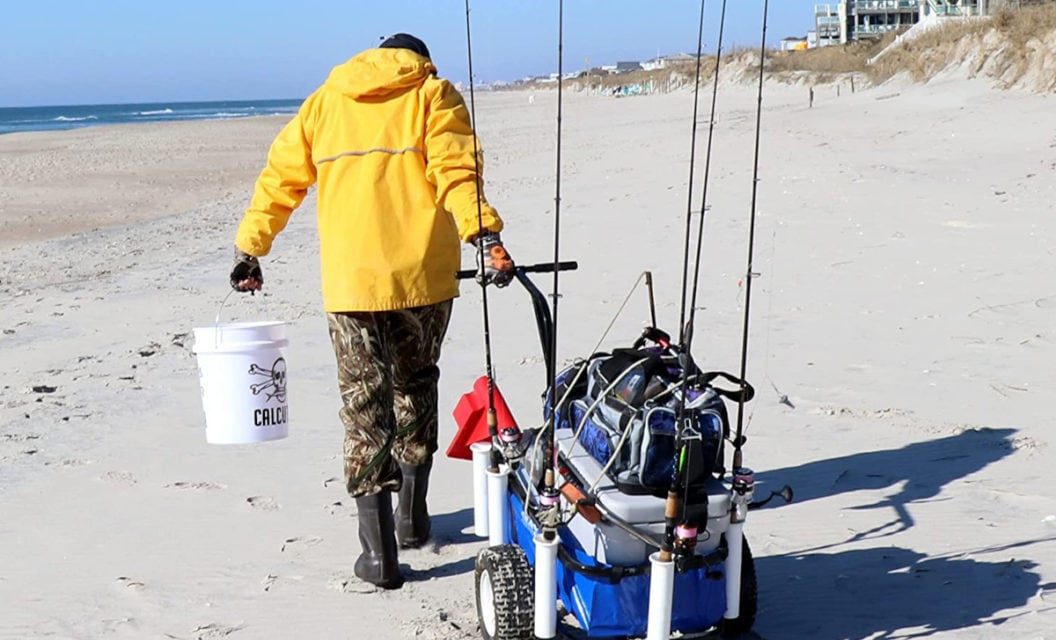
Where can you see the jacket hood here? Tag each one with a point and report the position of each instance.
(378, 72)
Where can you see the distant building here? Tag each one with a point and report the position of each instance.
(678, 58)
(793, 43)
(663, 62)
(627, 67)
(830, 24)
(853, 20)
(958, 8)
(873, 18)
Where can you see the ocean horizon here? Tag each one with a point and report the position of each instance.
(59, 117)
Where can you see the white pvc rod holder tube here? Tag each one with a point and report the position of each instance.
(481, 455)
(734, 558)
(497, 506)
(545, 587)
(661, 592)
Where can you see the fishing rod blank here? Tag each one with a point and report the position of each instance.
(707, 180)
(673, 506)
(687, 340)
(550, 492)
(749, 273)
(692, 166)
(488, 370)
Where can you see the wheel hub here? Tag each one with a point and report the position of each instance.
(487, 602)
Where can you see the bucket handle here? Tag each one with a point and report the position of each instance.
(217, 330)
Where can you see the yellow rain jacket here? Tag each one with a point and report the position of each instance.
(391, 147)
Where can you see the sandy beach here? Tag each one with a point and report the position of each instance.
(904, 307)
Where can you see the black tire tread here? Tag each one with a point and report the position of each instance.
(513, 586)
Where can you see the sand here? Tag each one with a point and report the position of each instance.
(904, 306)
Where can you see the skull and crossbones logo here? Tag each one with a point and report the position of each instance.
(275, 385)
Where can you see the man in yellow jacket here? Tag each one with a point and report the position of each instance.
(391, 148)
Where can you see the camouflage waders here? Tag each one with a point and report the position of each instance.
(387, 375)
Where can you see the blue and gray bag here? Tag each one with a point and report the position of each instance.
(624, 408)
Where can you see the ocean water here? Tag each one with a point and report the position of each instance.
(70, 117)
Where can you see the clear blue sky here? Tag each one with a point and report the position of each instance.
(116, 51)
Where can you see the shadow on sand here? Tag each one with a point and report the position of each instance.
(448, 528)
(871, 593)
(921, 468)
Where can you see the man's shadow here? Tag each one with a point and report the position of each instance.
(920, 469)
(872, 593)
(861, 592)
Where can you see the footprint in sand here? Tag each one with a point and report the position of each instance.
(351, 584)
(130, 584)
(215, 630)
(269, 581)
(69, 462)
(196, 486)
(300, 542)
(264, 503)
(18, 437)
(119, 477)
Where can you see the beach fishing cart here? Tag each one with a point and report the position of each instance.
(595, 541)
(622, 507)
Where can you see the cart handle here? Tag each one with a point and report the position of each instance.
(542, 267)
(543, 321)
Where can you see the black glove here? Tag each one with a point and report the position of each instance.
(246, 274)
(498, 265)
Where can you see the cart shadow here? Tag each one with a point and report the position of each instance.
(920, 469)
(447, 570)
(449, 528)
(876, 592)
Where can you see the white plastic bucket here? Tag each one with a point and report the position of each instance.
(242, 370)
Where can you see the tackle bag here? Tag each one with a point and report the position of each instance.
(624, 407)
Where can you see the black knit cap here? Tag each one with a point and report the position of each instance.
(406, 41)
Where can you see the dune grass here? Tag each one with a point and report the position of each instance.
(1006, 48)
(1014, 47)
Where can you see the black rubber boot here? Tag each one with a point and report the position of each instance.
(412, 514)
(378, 564)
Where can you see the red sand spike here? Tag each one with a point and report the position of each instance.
(471, 417)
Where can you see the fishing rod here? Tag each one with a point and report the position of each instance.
(692, 165)
(738, 441)
(688, 331)
(707, 175)
(550, 497)
(673, 506)
(493, 425)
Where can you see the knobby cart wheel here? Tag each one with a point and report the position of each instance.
(749, 598)
(505, 593)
